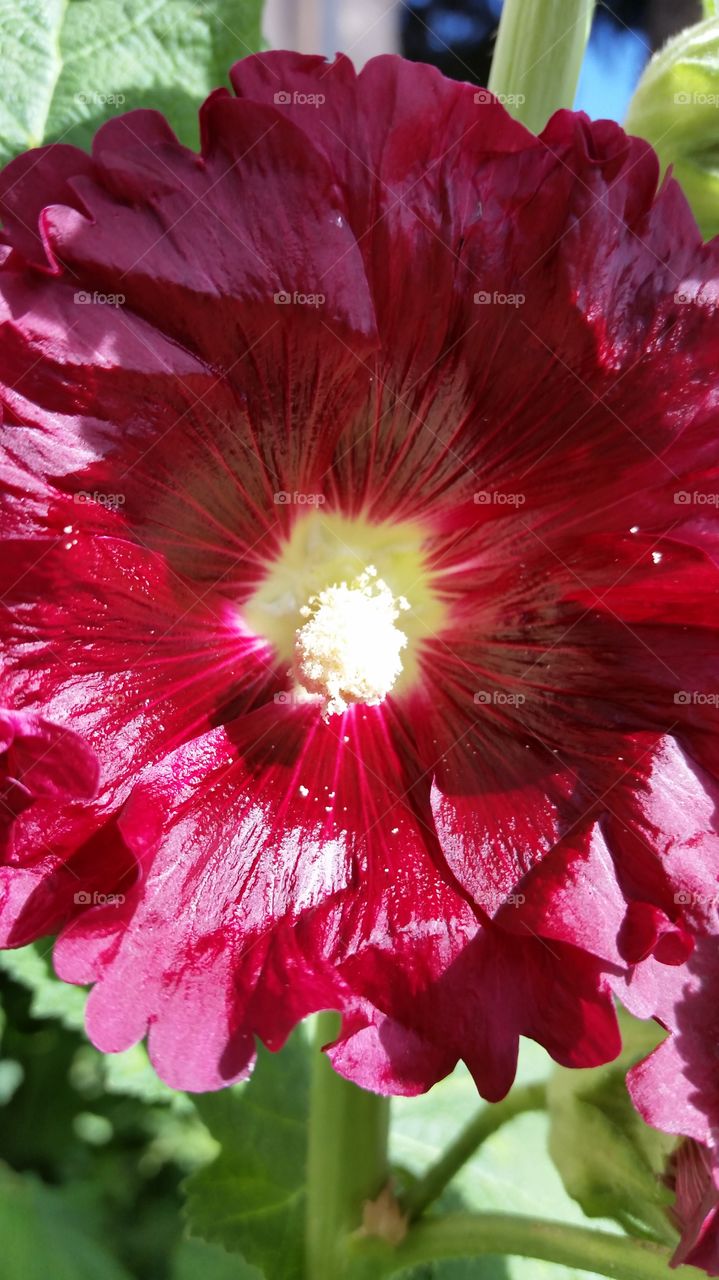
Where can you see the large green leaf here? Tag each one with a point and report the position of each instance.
(67, 65)
(609, 1159)
(42, 1236)
(251, 1198)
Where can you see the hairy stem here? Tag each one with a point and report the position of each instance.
(346, 1161)
(465, 1235)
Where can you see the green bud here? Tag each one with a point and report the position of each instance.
(676, 108)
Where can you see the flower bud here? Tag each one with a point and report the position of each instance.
(676, 107)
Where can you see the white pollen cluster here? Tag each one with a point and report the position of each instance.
(349, 648)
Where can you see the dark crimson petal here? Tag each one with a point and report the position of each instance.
(695, 1208)
(498, 988)
(382, 1055)
(209, 240)
(677, 1087)
(31, 182)
(100, 406)
(560, 222)
(42, 898)
(647, 930)
(665, 837)
(572, 896)
(43, 765)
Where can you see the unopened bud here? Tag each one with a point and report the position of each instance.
(676, 108)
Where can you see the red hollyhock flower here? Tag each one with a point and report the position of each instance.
(358, 486)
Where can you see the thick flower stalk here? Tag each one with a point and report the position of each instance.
(360, 484)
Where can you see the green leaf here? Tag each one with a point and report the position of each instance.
(41, 1235)
(197, 1260)
(50, 997)
(609, 1159)
(511, 1172)
(251, 1198)
(67, 65)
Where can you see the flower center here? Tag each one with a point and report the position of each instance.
(349, 648)
(347, 605)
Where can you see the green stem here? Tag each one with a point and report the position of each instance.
(531, 1097)
(463, 1235)
(347, 1157)
(538, 56)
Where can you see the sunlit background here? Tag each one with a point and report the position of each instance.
(458, 36)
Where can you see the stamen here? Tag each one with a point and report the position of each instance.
(348, 650)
